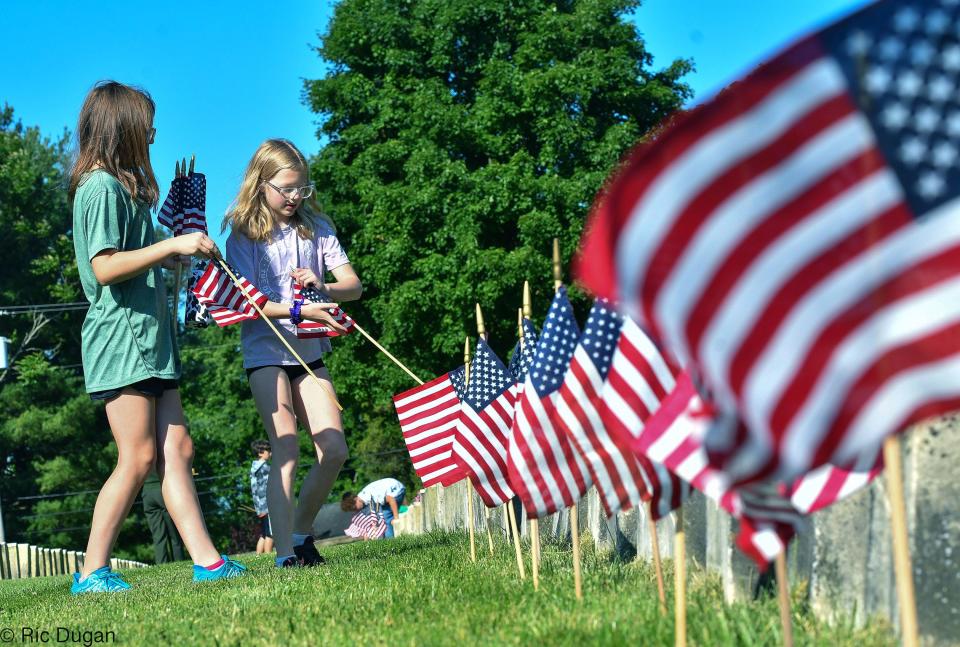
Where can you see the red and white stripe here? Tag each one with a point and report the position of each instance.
(480, 445)
(613, 468)
(428, 418)
(193, 220)
(764, 239)
(546, 471)
(639, 380)
(223, 299)
(168, 216)
(828, 483)
(366, 526)
(316, 329)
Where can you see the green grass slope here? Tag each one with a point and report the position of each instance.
(409, 591)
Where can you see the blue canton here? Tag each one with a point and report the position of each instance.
(457, 380)
(314, 295)
(488, 378)
(558, 340)
(600, 335)
(195, 192)
(902, 63)
(521, 360)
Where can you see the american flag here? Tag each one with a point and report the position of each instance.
(673, 436)
(171, 211)
(184, 209)
(546, 472)
(769, 513)
(614, 470)
(638, 379)
(193, 206)
(828, 484)
(223, 299)
(796, 242)
(315, 329)
(366, 526)
(483, 429)
(523, 352)
(428, 417)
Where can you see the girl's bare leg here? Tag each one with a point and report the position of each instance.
(131, 418)
(271, 393)
(316, 410)
(174, 466)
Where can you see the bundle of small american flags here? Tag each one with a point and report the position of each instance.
(366, 526)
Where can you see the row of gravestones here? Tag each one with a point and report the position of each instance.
(24, 560)
(843, 554)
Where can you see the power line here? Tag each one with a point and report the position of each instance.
(44, 308)
(241, 473)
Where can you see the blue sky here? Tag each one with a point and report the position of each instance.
(227, 75)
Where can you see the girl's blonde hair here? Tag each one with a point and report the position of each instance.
(250, 215)
(113, 133)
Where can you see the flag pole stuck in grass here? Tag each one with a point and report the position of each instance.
(482, 332)
(508, 505)
(901, 546)
(233, 277)
(680, 582)
(574, 518)
(466, 379)
(783, 593)
(534, 522)
(657, 565)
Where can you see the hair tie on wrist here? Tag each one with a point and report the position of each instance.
(295, 317)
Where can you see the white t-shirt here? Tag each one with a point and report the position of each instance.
(268, 265)
(378, 491)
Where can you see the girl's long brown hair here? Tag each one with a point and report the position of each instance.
(113, 135)
(249, 213)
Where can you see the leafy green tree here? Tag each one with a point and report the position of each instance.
(461, 138)
(52, 437)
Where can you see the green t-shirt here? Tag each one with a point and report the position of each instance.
(128, 333)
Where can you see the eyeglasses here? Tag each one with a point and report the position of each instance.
(151, 134)
(293, 192)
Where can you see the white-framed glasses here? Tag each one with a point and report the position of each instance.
(293, 192)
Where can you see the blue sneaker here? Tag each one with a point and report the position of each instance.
(102, 580)
(229, 568)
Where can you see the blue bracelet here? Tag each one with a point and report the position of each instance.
(295, 317)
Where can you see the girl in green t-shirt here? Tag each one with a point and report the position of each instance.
(129, 351)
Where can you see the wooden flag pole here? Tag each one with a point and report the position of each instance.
(657, 565)
(466, 379)
(901, 542)
(534, 523)
(680, 584)
(482, 332)
(783, 593)
(252, 301)
(512, 522)
(386, 352)
(574, 518)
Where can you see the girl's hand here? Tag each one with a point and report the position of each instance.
(306, 278)
(318, 312)
(195, 244)
(172, 262)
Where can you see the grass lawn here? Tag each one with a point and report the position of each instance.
(409, 591)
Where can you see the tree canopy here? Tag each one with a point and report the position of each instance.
(461, 137)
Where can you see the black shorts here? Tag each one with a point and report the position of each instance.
(265, 530)
(152, 386)
(293, 371)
